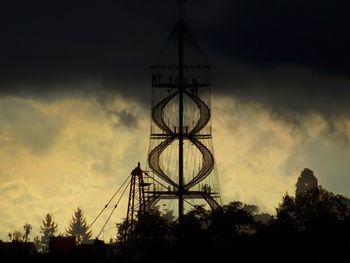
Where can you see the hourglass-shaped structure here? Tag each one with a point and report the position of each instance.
(181, 153)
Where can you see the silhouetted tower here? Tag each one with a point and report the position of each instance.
(306, 181)
(181, 153)
(137, 201)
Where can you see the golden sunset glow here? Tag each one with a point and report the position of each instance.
(71, 152)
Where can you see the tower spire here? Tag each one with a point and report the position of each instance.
(181, 4)
(180, 49)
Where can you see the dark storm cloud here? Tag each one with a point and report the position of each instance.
(275, 33)
(124, 118)
(292, 93)
(47, 46)
(292, 56)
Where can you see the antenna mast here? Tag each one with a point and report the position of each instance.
(180, 51)
(181, 4)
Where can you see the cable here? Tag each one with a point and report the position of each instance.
(189, 203)
(116, 205)
(109, 202)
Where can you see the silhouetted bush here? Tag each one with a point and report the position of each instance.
(313, 226)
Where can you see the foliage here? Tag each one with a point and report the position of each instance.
(48, 230)
(151, 237)
(308, 227)
(27, 230)
(311, 210)
(311, 227)
(18, 236)
(78, 227)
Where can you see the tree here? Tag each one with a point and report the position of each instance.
(48, 229)
(197, 219)
(315, 220)
(27, 230)
(234, 219)
(149, 240)
(37, 244)
(286, 212)
(78, 227)
(311, 208)
(16, 236)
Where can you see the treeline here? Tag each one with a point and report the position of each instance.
(78, 228)
(313, 226)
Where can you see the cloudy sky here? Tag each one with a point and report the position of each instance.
(75, 99)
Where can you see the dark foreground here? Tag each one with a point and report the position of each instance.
(312, 227)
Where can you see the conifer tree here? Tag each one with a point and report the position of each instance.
(78, 227)
(48, 229)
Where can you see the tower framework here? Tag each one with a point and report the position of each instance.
(181, 153)
(136, 200)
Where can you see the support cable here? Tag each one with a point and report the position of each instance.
(116, 205)
(108, 202)
(189, 203)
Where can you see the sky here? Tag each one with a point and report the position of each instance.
(75, 99)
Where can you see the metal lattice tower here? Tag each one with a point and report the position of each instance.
(181, 153)
(137, 200)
